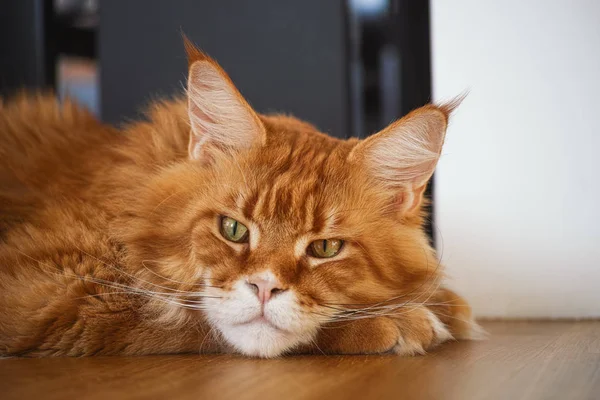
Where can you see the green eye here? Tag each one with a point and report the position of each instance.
(325, 248)
(233, 230)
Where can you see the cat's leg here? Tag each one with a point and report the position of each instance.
(409, 332)
(63, 314)
(406, 331)
(102, 331)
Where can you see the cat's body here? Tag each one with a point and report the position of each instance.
(109, 240)
(61, 195)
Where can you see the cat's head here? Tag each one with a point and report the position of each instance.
(277, 228)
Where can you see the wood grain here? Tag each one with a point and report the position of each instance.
(521, 360)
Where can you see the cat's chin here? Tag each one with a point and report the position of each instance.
(260, 338)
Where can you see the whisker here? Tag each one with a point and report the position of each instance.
(130, 275)
(173, 280)
(371, 306)
(166, 199)
(126, 289)
(317, 346)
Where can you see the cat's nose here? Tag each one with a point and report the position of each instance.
(264, 289)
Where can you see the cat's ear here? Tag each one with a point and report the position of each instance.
(403, 156)
(220, 117)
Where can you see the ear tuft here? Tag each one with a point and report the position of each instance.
(448, 107)
(193, 53)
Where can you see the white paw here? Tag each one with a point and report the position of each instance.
(440, 332)
(408, 346)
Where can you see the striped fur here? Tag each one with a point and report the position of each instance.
(109, 240)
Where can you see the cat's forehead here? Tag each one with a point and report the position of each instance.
(298, 189)
(301, 136)
(300, 179)
(296, 152)
(297, 181)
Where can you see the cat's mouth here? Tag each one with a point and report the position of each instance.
(262, 320)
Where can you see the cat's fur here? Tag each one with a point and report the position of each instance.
(109, 239)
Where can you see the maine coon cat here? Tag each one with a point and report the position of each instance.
(212, 228)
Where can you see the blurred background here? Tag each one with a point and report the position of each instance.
(515, 197)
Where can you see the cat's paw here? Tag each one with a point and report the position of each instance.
(419, 330)
(455, 313)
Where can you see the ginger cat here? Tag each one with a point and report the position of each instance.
(211, 228)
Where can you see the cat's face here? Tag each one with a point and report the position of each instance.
(291, 234)
(280, 228)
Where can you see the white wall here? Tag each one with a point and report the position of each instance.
(517, 189)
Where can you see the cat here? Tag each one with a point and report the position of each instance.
(212, 228)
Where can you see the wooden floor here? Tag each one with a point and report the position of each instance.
(521, 360)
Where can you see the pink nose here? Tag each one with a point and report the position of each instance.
(264, 289)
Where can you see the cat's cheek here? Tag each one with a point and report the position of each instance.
(233, 307)
(286, 312)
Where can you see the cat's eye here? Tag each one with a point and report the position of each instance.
(233, 230)
(325, 248)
